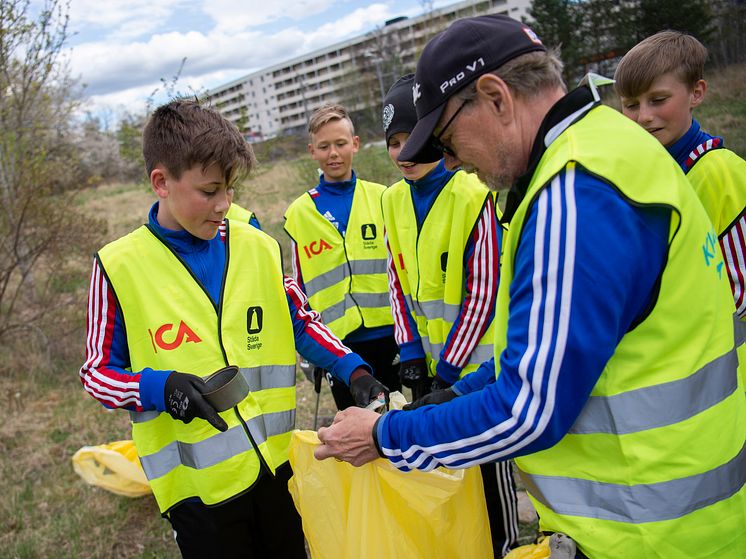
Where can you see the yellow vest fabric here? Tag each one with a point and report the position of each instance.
(655, 464)
(719, 179)
(429, 262)
(239, 213)
(171, 323)
(344, 276)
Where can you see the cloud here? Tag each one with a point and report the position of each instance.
(122, 20)
(238, 15)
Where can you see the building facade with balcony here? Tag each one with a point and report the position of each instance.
(357, 72)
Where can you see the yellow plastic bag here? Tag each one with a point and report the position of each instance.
(378, 511)
(531, 551)
(114, 467)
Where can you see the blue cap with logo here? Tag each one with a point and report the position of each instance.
(453, 59)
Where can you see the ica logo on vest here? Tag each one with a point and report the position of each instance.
(316, 247)
(183, 335)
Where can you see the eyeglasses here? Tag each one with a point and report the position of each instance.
(436, 143)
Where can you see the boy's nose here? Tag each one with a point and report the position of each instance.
(223, 202)
(644, 114)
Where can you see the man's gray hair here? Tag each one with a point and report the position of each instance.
(527, 75)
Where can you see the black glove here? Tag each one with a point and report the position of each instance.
(184, 401)
(365, 389)
(412, 373)
(436, 397)
(439, 384)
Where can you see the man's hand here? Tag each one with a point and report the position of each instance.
(413, 372)
(184, 400)
(365, 388)
(437, 397)
(349, 438)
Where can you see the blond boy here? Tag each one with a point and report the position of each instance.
(338, 249)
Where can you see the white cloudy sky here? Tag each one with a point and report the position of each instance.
(122, 48)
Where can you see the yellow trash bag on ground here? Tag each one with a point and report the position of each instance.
(378, 511)
(531, 551)
(114, 467)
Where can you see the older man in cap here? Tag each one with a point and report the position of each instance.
(614, 381)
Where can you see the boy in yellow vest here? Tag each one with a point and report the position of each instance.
(338, 250)
(174, 301)
(443, 291)
(660, 82)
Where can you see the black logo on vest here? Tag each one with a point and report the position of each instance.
(369, 231)
(444, 261)
(254, 325)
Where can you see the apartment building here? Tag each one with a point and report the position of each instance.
(279, 99)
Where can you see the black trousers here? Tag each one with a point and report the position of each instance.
(379, 354)
(261, 523)
(502, 505)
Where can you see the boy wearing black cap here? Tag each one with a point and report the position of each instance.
(615, 365)
(443, 291)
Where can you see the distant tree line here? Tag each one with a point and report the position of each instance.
(593, 34)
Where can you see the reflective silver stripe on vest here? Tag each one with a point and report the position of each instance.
(481, 353)
(636, 504)
(217, 448)
(660, 405)
(341, 272)
(259, 378)
(269, 376)
(143, 416)
(433, 310)
(370, 266)
(739, 329)
(363, 300)
(327, 279)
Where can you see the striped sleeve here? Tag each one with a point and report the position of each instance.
(405, 329)
(478, 308)
(295, 262)
(733, 244)
(313, 339)
(585, 269)
(103, 374)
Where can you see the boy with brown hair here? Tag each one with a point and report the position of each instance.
(338, 250)
(174, 301)
(660, 82)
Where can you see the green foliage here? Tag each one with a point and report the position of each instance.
(592, 34)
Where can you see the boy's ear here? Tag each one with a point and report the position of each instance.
(355, 143)
(158, 182)
(698, 94)
(310, 149)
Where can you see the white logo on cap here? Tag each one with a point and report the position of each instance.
(388, 116)
(416, 93)
(533, 36)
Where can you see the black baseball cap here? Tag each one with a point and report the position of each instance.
(399, 115)
(453, 59)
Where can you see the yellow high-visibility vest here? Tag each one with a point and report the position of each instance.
(345, 276)
(430, 261)
(655, 464)
(172, 323)
(719, 179)
(239, 213)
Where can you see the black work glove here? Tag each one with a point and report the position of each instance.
(439, 384)
(184, 400)
(436, 397)
(412, 373)
(365, 388)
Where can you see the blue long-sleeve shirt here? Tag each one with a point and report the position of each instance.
(682, 148)
(104, 374)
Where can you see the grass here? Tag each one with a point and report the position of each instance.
(45, 416)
